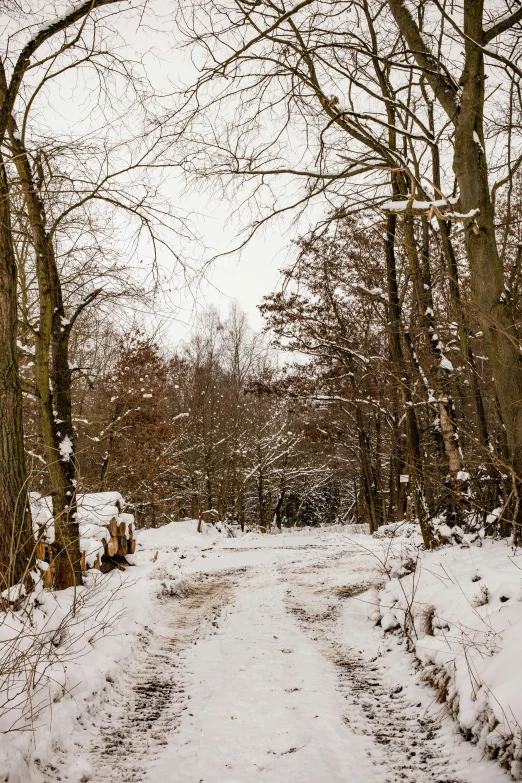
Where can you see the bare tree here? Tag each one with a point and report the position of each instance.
(58, 187)
(377, 107)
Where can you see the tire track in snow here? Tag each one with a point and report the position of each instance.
(154, 694)
(406, 745)
(411, 748)
(147, 701)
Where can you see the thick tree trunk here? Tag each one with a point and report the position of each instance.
(463, 333)
(53, 380)
(487, 273)
(16, 536)
(466, 350)
(438, 376)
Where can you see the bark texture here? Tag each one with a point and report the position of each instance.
(16, 539)
(466, 111)
(53, 378)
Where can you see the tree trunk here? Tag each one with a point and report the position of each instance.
(486, 267)
(463, 333)
(413, 451)
(53, 380)
(466, 111)
(448, 254)
(277, 510)
(16, 536)
(439, 393)
(261, 497)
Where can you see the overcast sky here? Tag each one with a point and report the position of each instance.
(244, 276)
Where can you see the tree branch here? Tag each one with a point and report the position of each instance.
(444, 88)
(45, 32)
(504, 23)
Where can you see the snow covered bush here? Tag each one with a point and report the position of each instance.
(461, 611)
(43, 646)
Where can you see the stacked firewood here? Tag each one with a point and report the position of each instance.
(116, 546)
(44, 553)
(118, 543)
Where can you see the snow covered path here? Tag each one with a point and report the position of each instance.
(263, 703)
(268, 670)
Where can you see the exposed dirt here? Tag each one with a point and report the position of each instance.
(148, 701)
(407, 745)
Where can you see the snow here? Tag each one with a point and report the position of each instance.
(399, 205)
(372, 291)
(25, 348)
(463, 215)
(507, 13)
(474, 595)
(446, 364)
(263, 646)
(93, 512)
(66, 449)
(261, 680)
(99, 506)
(477, 140)
(57, 19)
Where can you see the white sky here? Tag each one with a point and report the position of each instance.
(245, 277)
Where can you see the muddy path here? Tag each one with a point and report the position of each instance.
(146, 702)
(150, 700)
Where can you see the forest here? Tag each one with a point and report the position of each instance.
(382, 395)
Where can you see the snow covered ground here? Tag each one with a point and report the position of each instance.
(245, 659)
(462, 611)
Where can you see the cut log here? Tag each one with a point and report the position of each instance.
(210, 515)
(110, 563)
(116, 546)
(48, 576)
(83, 562)
(40, 550)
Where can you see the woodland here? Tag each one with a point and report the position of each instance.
(388, 382)
(288, 552)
